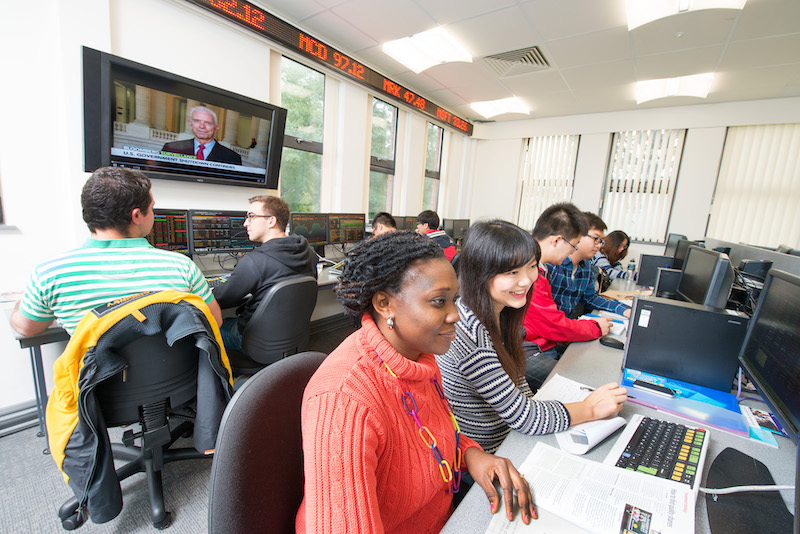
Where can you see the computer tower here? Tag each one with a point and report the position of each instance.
(685, 341)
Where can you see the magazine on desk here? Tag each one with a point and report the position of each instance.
(599, 498)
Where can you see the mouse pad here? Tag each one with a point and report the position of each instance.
(763, 512)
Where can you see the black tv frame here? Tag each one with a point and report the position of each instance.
(99, 71)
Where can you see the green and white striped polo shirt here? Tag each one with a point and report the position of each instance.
(67, 287)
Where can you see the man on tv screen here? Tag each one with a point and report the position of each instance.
(203, 122)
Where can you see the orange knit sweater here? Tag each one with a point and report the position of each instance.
(366, 468)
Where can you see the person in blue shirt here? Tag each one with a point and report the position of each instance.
(573, 281)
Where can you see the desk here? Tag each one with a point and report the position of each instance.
(594, 364)
(53, 334)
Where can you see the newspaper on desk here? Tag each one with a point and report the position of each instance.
(598, 498)
(578, 439)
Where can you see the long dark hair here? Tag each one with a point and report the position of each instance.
(491, 248)
(611, 248)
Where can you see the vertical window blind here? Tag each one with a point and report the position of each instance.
(548, 175)
(757, 198)
(640, 182)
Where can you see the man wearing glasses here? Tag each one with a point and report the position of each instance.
(558, 231)
(279, 257)
(573, 279)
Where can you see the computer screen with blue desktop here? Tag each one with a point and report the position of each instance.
(312, 226)
(345, 228)
(707, 277)
(218, 232)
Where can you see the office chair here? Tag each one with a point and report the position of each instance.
(257, 473)
(279, 327)
(138, 395)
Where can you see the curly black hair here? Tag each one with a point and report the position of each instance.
(380, 264)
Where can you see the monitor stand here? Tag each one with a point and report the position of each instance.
(746, 512)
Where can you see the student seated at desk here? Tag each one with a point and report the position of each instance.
(609, 258)
(483, 373)
(572, 281)
(279, 257)
(381, 450)
(116, 262)
(558, 230)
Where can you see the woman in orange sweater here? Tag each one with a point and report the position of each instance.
(382, 452)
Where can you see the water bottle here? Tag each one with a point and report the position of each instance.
(631, 274)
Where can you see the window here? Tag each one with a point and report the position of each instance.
(433, 165)
(381, 175)
(758, 187)
(640, 182)
(548, 175)
(303, 95)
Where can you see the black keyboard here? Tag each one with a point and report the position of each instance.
(665, 449)
(214, 281)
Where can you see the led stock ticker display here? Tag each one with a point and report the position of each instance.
(254, 18)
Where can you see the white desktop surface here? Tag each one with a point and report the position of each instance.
(593, 364)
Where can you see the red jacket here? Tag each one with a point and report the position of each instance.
(546, 325)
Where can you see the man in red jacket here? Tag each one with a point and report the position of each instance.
(558, 231)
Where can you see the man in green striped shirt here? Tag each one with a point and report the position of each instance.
(117, 261)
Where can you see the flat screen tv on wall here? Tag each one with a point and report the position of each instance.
(144, 118)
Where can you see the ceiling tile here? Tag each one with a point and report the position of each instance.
(682, 63)
(768, 17)
(449, 11)
(499, 31)
(600, 75)
(536, 84)
(561, 18)
(385, 20)
(600, 46)
(331, 29)
(680, 32)
(761, 52)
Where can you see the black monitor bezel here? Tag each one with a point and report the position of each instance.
(99, 69)
(719, 283)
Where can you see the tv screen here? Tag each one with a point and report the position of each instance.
(175, 128)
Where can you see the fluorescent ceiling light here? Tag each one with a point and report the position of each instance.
(643, 11)
(696, 85)
(492, 108)
(426, 49)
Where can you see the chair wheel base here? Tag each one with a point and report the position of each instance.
(164, 523)
(73, 521)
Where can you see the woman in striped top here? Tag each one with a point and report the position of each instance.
(609, 258)
(483, 373)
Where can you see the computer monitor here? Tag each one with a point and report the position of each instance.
(706, 278)
(455, 228)
(770, 356)
(215, 232)
(672, 243)
(170, 231)
(681, 250)
(406, 223)
(345, 228)
(312, 226)
(648, 268)
(770, 353)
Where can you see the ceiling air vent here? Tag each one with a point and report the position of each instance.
(515, 62)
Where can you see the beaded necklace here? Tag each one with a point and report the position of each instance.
(451, 475)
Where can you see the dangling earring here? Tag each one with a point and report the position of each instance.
(390, 322)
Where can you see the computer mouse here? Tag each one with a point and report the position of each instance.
(612, 342)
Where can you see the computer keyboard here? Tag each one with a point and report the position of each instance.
(661, 448)
(214, 281)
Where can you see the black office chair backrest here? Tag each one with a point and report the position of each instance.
(154, 371)
(257, 473)
(280, 325)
